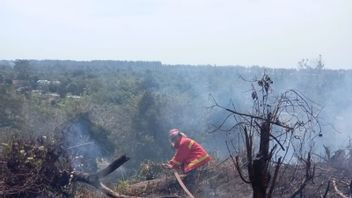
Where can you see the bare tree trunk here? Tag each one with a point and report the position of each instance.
(259, 184)
(261, 177)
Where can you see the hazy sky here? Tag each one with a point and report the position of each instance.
(275, 33)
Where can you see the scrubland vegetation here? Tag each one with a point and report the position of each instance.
(281, 131)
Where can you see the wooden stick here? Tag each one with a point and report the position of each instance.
(93, 179)
(113, 166)
(112, 193)
(337, 190)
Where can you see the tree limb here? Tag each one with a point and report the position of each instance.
(337, 190)
(276, 173)
(240, 171)
(93, 179)
(112, 167)
(256, 117)
(327, 189)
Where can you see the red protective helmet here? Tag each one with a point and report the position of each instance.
(174, 133)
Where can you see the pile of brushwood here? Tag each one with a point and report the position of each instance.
(34, 167)
(42, 167)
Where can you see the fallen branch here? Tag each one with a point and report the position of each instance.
(93, 179)
(110, 192)
(112, 167)
(337, 190)
(163, 184)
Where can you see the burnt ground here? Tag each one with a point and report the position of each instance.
(37, 169)
(223, 181)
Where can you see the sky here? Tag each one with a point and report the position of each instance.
(272, 33)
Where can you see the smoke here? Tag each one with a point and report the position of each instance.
(84, 150)
(330, 90)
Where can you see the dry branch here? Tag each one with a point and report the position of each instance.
(310, 173)
(327, 189)
(93, 179)
(151, 186)
(112, 167)
(276, 173)
(338, 192)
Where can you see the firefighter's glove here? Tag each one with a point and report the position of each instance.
(166, 165)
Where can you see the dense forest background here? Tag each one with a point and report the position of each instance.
(108, 108)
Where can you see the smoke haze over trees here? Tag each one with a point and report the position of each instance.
(117, 107)
(132, 99)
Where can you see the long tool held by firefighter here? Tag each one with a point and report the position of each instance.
(183, 185)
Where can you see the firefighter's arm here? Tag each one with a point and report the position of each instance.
(166, 165)
(178, 158)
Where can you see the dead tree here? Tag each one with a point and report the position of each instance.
(280, 127)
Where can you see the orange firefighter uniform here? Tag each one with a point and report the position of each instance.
(189, 155)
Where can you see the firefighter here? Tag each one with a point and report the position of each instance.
(189, 156)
